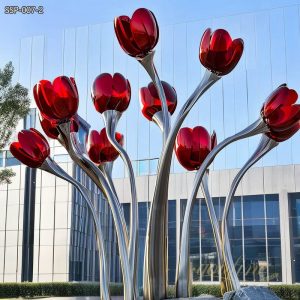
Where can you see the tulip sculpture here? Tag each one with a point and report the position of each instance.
(195, 149)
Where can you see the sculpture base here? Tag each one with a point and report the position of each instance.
(251, 293)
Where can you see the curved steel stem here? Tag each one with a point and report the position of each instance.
(51, 167)
(148, 63)
(266, 144)
(212, 215)
(106, 169)
(183, 286)
(111, 118)
(80, 158)
(155, 260)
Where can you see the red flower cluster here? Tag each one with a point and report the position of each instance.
(218, 52)
(281, 113)
(138, 35)
(31, 148)
(193, 145)
(151, 103)
(58, 100)
(111, 92)
(99, 148)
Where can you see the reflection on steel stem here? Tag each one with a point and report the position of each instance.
(183, 284)
(212, 215)
(50, 166)
(106, 169)
(158, 120)
(148, 63)
(183, 280)
(111, 118)
(79, 157)
(266, 144)
(155, 259)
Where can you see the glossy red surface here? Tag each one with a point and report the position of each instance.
(218, 52)
(280, 110)
(50, 126)
(58, 100)
(281, 136)
(192, 146)
(150, 102)
(111, 92)
(31, 148)
(138, 35)
(100, 149)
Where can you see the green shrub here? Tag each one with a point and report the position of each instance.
(287, 292)
(54, 289)
(60, 289)
(208, 289)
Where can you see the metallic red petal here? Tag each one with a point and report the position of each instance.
(49, 127)
(93, 146)
(44, 98)
(282, 136)
(66, 102)
(17, 151)
(102, 91)
(192, 146)
(121, 93)
(281, 96)
(222, 54)
(144, 29)
(204, 45)
(100, 149)
(284, 117)
(234, 55)
(124, 36)
(220, 41)
(150, 102)
(32, 148)
(72, 79)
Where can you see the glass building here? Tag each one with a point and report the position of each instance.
(264, 218)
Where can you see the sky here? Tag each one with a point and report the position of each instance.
(61, 14)
(271, 57)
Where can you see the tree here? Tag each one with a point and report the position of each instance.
(14, 105)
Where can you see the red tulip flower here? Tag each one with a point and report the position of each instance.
(193, 145)
(111, 92)
(280, 111)
(57, 100)
(281, 136)
(99, 148)
(151, 103)
(218, 52)
(31, 149)
(50, 126)
(138, 35)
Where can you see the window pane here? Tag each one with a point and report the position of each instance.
(11, 160)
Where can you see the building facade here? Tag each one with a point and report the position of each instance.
(264, 221)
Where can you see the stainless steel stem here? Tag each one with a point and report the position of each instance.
(79, 157)
(155, 259)
(106, 169)
(148, 63)
(183, 284)
(111, 118)
(266, 144)
(212, 216)
(51, 167)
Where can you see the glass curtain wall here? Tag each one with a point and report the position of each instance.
(294, 205)
(254, 232)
